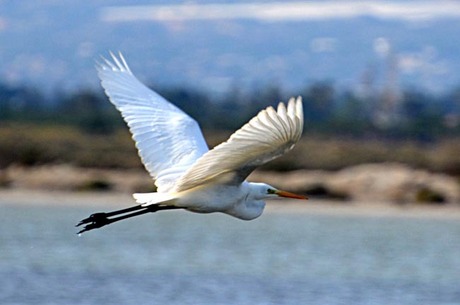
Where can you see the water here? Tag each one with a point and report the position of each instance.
(182, 258)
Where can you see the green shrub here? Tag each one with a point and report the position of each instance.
(95, 185)
(427, 195)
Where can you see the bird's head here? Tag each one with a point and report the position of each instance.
(265, 191)
(253, 204)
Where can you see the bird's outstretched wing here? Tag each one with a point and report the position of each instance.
(265, 137)
(168, 140)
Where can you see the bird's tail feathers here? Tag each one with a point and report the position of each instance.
(147, 199)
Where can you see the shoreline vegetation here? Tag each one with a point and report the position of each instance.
(29, 145)
(334, 169)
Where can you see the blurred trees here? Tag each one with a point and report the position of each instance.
(328, 111)
(87, 110)
(20, 103)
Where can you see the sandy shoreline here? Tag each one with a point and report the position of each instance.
(114, 200)
(389, 182)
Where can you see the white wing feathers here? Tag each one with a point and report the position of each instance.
(267, 136)
(168, 140)
(172, 147)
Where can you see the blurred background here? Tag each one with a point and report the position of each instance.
(381, 92)
(379, 80)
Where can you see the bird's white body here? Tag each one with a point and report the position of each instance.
(240, 201)
(172, 148)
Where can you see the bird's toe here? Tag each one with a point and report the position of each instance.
(96, 217)
(94, 221)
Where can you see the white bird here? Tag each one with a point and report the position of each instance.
(187, 174)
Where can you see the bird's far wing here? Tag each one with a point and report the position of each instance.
(168, 140)
(265, 137)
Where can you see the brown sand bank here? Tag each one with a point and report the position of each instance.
(386, 182)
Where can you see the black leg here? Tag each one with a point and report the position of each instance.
(100, 216)
(98, 220)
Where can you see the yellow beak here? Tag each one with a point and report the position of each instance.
(290, 195)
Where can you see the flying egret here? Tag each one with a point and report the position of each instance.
(187, 174)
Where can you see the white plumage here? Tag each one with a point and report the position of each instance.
(168, 140)
(187, 174)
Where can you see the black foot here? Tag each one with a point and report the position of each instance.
(94, 221)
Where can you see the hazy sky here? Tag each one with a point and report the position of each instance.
(286, 11)
(216, 44)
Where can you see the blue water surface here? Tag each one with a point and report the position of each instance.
(183, 258)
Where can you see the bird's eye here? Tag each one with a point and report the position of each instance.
(270, 191)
